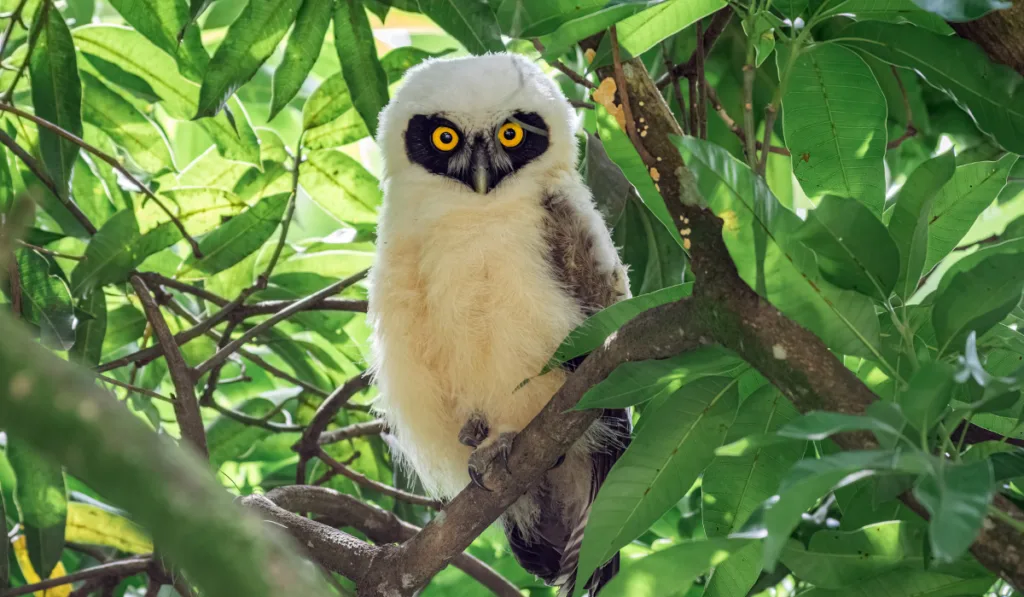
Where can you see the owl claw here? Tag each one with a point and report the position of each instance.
(474, 432)
(483, 458)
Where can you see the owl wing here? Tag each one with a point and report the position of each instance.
(585, 262)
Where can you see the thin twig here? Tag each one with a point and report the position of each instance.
(45, 251)
(269, 307)
(113, 162)
(691, 81)
(186, 407)
(294, 308)
(718, 24)
(770, 112)
(677, 89)
(581, 104)
(211, 380)
(620, 84)
(206, 295)
(43, 177)
(15, 17)
(264, 277)
(120, 568)
(911, 129)
(363, 480)
(374, 427)
(253, 421)
(42, 13)
(14, 281)
(555, 63)
(133, 388)
(735, 128)
(702, 83)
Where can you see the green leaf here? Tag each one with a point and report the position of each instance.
(648, 28)
(128, 127)
(135, 55)
(561, 40)
(304, 43)
(396, 62)
(845, 320)
(672, 570)
(116, 250)
(854, 249)
(737, 575)
(912, 583)
(341, 186)
(809, 480)
(348, 128)
(46, 301)
(977, 299)
(959, 11)
(90, 332)
(93, 525)
(733, 487)
(41, 498)
(892, 11)
(57, 96)
(357, 53)
(930, 391)
(595, 329)
(973, 187)
(836, 559)
(160, 21)
(240, 236)
(834, 122)
(229, 439)
(992, 94)
(471, 23)
(330, 100)
(125, 325)
(909, 223)
(250, 40)
(675, 440)
(6, 183)
(630, 384)
(957, 497)
(818, 425)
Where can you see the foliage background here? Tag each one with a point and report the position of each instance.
(838, 265)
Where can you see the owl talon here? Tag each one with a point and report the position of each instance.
(477, 479)
(474, 432)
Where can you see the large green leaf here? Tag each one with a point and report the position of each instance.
(250, 40)
(991, 93)
(128, 127)
(330, 100)
(834, 117)
(41, 497)
(914, 583)
(529, 18)
(977, 299)
(648, 28)
(675, 440)
(125, 324)
(240, 236)
(734, 487)
(909, 223)
(930, 391)
(116, 250)
(46, 301)
(632, 383)
(845, 320)
(737, 575)
(135, 55)
(837, 559)
(471, 23)
(57, 96)
(360, 66)
(561, 40)
(854, 249)
(229, 439)
(893, 11)
(972, 188)
(348, 128)
(304, 43)
(91, 330)
(673, 570)
(595, 329)
(340, 185)
(957, 497)
(160, 21)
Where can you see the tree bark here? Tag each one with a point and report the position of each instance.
(1000, 34)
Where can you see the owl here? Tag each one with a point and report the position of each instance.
(490, 251)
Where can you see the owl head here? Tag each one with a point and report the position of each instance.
(475, 123)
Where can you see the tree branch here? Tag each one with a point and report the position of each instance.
(374, 427)
(118, 569)
(715, 29)
(565, 70)
(363, 480)
(186, 407)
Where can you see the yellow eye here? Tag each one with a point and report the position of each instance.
(445, 138)
(510, 134)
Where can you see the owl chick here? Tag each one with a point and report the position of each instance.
(490, 251)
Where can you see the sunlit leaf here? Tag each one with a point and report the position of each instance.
(957, 497)
(472, 23)
(93, 525)
(360, 66)
(42, 502)
(304, 45)
(341, 186)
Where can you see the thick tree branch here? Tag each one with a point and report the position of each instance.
(792, 358)
(380, 525)
(374, 427)
(1000, 34)
(186, 407)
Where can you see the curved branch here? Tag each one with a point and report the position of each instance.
(118, 569)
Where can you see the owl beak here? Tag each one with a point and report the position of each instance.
(481, 168)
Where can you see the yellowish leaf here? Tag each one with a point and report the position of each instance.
(31, 577)
(96, 526)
